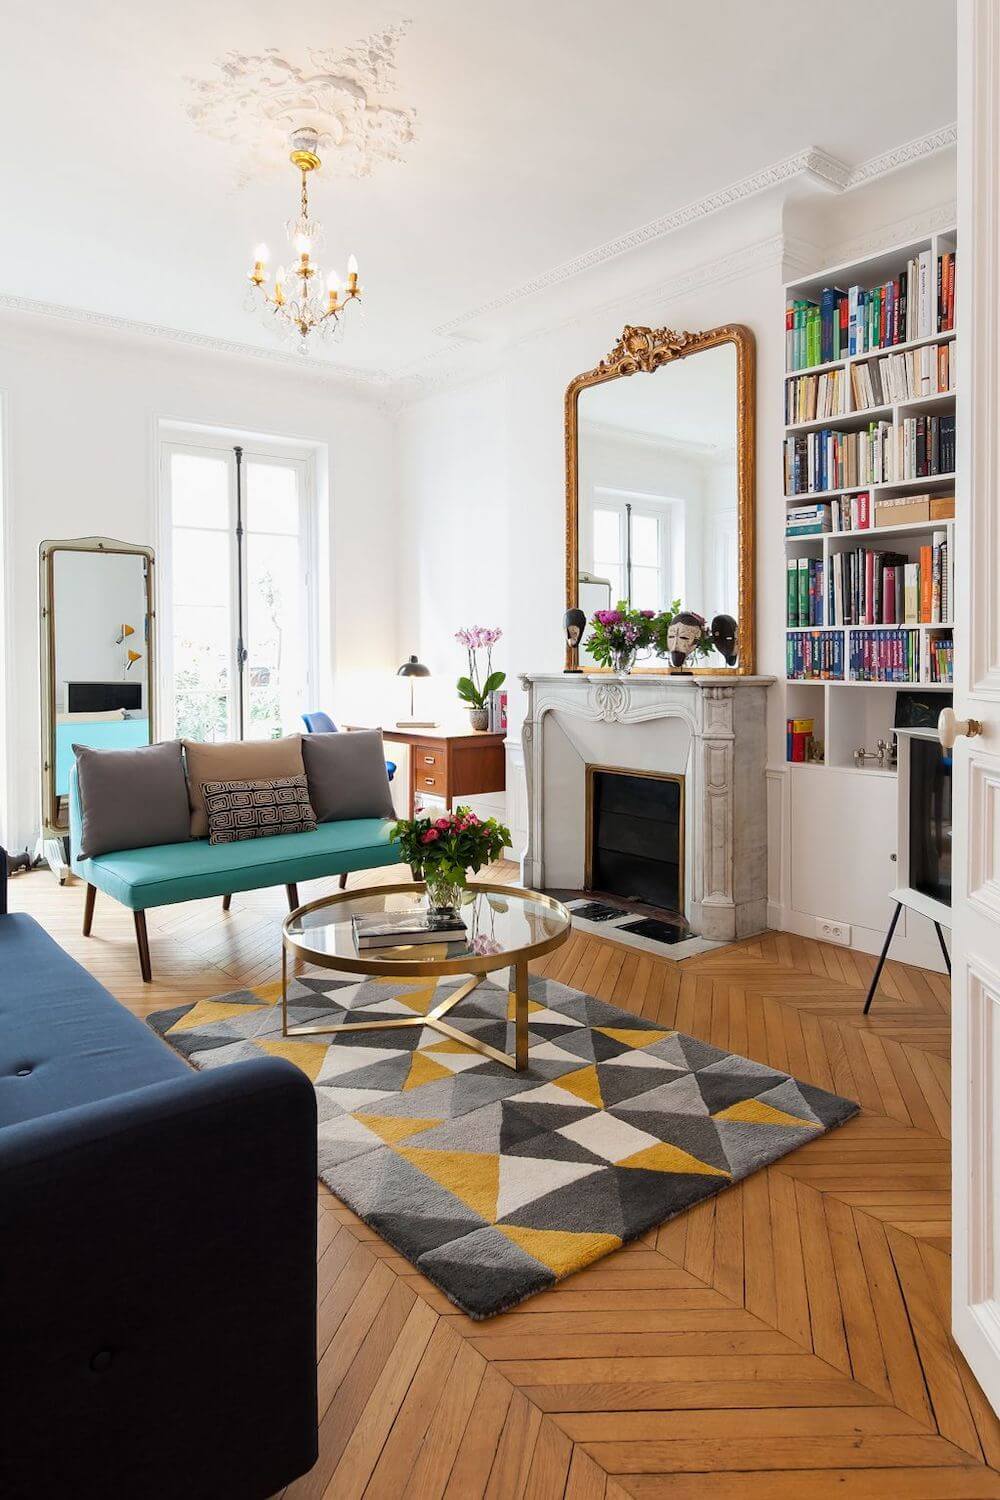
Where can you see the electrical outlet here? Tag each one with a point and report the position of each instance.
(833, 932)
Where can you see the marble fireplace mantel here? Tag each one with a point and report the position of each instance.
(710, 729)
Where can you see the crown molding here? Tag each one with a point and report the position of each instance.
(824, 169)
(413, 380)
(922, 146)
(132, 327)
(656, 298)
(812, 164)
(911, 227)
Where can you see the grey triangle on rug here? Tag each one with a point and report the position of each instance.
(497, 1184)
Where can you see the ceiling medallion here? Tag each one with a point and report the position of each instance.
(256, 101)
(300, 303)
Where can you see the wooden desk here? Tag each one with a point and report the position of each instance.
(450, 762)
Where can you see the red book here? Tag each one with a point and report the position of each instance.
(869, 588)
(889, 597)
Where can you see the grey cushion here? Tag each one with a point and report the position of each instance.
(347, 775)
(240, 810)
(131, 799)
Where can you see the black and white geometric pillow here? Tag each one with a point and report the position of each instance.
(257, 809)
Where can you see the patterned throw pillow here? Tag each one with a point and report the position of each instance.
(257, 809)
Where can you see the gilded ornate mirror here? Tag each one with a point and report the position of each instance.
(660, 452)
(98, 670)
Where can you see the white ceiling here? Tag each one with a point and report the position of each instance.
(543, 131)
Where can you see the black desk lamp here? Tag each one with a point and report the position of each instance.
(412, 669)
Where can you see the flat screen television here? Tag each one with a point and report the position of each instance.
(930, 820)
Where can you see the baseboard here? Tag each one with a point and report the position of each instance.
(909, 946)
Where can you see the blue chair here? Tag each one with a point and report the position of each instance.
(320, 723)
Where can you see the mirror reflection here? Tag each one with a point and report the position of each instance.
(658, 511)
(100, 656)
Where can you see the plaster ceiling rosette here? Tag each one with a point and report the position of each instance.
(255, 102)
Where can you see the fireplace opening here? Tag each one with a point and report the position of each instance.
(635, 836)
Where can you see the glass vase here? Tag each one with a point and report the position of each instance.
(623, 660)
(443, 893)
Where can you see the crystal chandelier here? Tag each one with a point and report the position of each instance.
(300, 304)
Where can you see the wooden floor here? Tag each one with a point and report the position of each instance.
(786, 1341)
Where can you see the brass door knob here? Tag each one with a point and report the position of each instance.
(949, 727)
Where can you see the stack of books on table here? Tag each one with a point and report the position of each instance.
(402, 929)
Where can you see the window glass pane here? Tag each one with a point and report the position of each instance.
(199, 490)
(645, 541)
(607, 536)
(277, 637)
(202, 646)
(272, 498)
(646, 588)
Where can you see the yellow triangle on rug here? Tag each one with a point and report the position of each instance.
(561, 1250)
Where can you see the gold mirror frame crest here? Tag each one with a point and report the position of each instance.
(641, 350)
(52, 827)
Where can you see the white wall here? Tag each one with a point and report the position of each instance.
(96, 593)
(500, 443)
(81, 409)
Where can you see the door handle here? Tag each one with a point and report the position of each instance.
(949, 728)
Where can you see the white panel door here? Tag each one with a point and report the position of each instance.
(976, 841)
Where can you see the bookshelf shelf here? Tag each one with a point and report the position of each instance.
(845, 718)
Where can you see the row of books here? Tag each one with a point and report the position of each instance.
(866, 587)
(830, 460)
(804, 603)
(916, 304)
(925, 446)
(919, 447)
(885, 656)
(941, 659)
(819, 655)
(810, 398)
(798, 739)
(900, 377)
(885, 588)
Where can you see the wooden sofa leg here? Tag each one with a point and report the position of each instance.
(227, 901)
(343, 881)
(88, 909)
(142, 941)
(292, 892)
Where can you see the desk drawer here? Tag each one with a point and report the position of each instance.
(428, 759)
(429, 779)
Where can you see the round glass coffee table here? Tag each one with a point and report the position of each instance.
(505, 928)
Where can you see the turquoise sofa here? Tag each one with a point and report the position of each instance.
(167, 873)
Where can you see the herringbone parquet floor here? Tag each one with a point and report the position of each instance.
(787, 1340)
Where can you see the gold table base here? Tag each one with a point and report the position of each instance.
(519, 1060)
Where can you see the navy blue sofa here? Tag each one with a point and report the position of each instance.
(157, 1251)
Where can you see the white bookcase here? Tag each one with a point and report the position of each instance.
(847, 715)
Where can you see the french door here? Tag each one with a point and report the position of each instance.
(238, 588)
(976, 765)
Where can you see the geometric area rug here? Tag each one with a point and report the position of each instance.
(497, 1184)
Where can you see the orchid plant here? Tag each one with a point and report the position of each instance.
(481, 681)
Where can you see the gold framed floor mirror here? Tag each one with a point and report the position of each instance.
(98, 668)
(660, 493)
